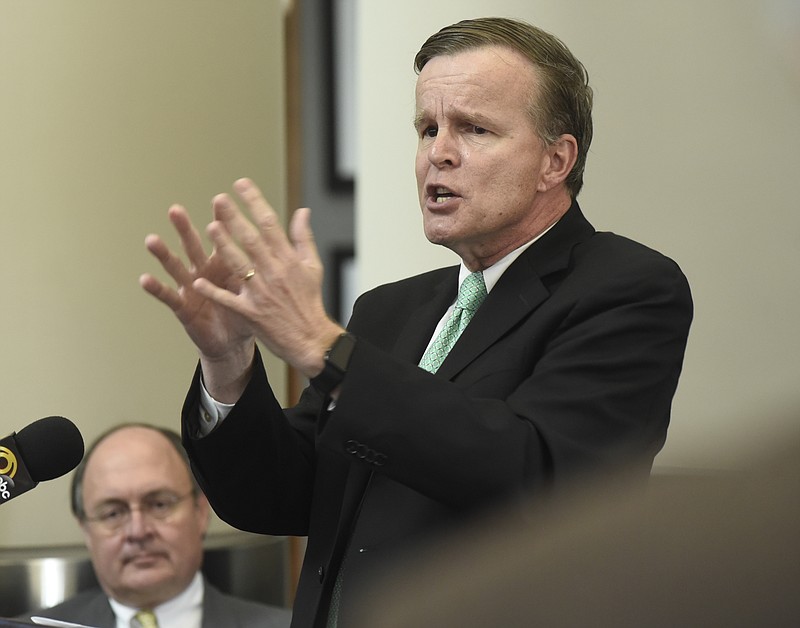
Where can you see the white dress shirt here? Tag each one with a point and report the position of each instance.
(183, 611)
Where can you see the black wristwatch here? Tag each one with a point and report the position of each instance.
(336, 360)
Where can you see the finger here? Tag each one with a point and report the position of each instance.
(171, 263)
(222, 297)
(266, 219)
(239, 229)
(235, 261)
(189, 235)
(303, 237)
(162, 292)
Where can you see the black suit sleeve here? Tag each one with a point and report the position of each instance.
(257, 466)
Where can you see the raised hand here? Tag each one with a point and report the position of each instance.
(281, 298)
(223, 338)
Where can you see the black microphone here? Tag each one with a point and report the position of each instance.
(44, 450)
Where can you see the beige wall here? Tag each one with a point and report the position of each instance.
(695, 154)
(109, 112)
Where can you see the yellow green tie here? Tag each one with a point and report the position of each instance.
(470, 296)
(144, 619)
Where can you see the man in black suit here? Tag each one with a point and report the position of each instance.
(569, 364)
(144, 519)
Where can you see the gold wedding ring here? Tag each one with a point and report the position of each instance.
(249, 275)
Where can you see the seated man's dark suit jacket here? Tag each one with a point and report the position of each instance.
(91, 608)
(569, 366)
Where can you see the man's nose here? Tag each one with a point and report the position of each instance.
(444, 151)
(138, 525)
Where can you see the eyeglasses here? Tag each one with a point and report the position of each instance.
(115, 515)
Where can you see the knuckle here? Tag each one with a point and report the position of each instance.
(250, 238)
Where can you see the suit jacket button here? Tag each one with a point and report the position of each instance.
(321, 573)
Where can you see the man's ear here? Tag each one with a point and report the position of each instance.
(561, 156)
(88, 539)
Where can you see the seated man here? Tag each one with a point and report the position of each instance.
(144, 518)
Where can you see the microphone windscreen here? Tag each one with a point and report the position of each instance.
(50, 447)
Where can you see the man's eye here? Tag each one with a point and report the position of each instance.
(111, 514)
(479, 130)
(159, 506)
(430, 131)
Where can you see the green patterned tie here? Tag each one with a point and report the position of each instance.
(470, 295)
(144, 619)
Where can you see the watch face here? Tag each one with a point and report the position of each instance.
(336, 361)
(341, 351)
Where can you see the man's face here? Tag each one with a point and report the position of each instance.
(147, 560)
(479, 158)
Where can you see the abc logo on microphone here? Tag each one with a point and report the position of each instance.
(8, 469)
(8, 462)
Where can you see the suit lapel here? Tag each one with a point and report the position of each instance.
(418, 329)
(213, 614)
(519, 291)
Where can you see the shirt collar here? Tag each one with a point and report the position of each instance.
(172, 612)
(492, 274)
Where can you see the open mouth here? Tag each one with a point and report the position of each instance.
(440, 194)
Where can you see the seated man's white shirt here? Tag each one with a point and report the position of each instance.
(183, 611)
